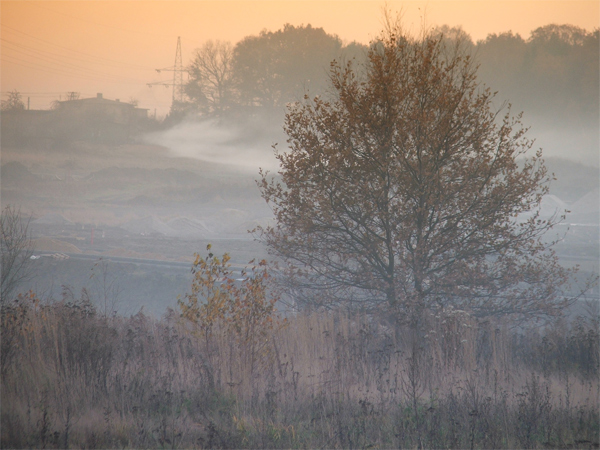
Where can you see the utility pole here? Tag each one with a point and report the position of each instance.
(177, 69)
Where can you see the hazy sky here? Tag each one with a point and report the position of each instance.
(49, 48)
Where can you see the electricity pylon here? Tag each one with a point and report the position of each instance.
(178, 74)
(177, 69)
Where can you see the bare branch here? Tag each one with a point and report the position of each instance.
(16, 251)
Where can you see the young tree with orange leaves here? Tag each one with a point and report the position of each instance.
(407, 189)
(243, 309)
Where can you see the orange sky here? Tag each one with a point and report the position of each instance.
(113, 47)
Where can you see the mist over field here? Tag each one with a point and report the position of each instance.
(237, 146)
(248, 147)
(572, 142)
(190, 179)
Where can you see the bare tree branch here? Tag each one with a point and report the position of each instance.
(16, 251)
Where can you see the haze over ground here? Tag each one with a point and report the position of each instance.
(50, 48)
(114, 48)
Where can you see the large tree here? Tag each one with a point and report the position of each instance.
(275, 68)
(407, 189)
(211, 77)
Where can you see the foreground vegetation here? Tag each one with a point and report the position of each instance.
(75, 378)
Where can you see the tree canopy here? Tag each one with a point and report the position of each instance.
(211, 77)
(278, 67)
(552, 74)
(404, 190)
(265, 71)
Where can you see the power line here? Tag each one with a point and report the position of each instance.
(44, 94)
(10, 59)
(24, 50)
(41, 57)
(122, 63)
(61, 56)
(34, 93)
(99, 24)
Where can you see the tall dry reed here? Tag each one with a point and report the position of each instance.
(75, 378)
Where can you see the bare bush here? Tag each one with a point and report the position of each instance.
(15, 247)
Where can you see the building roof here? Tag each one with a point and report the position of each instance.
(99, 99)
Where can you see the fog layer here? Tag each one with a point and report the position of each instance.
(212, 141)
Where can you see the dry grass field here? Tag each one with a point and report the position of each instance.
(73, 377)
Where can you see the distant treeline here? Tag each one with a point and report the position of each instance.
(552, 74)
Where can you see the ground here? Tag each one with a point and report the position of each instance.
(135, 202)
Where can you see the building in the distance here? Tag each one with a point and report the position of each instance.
(94, 119)
(101, 119)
